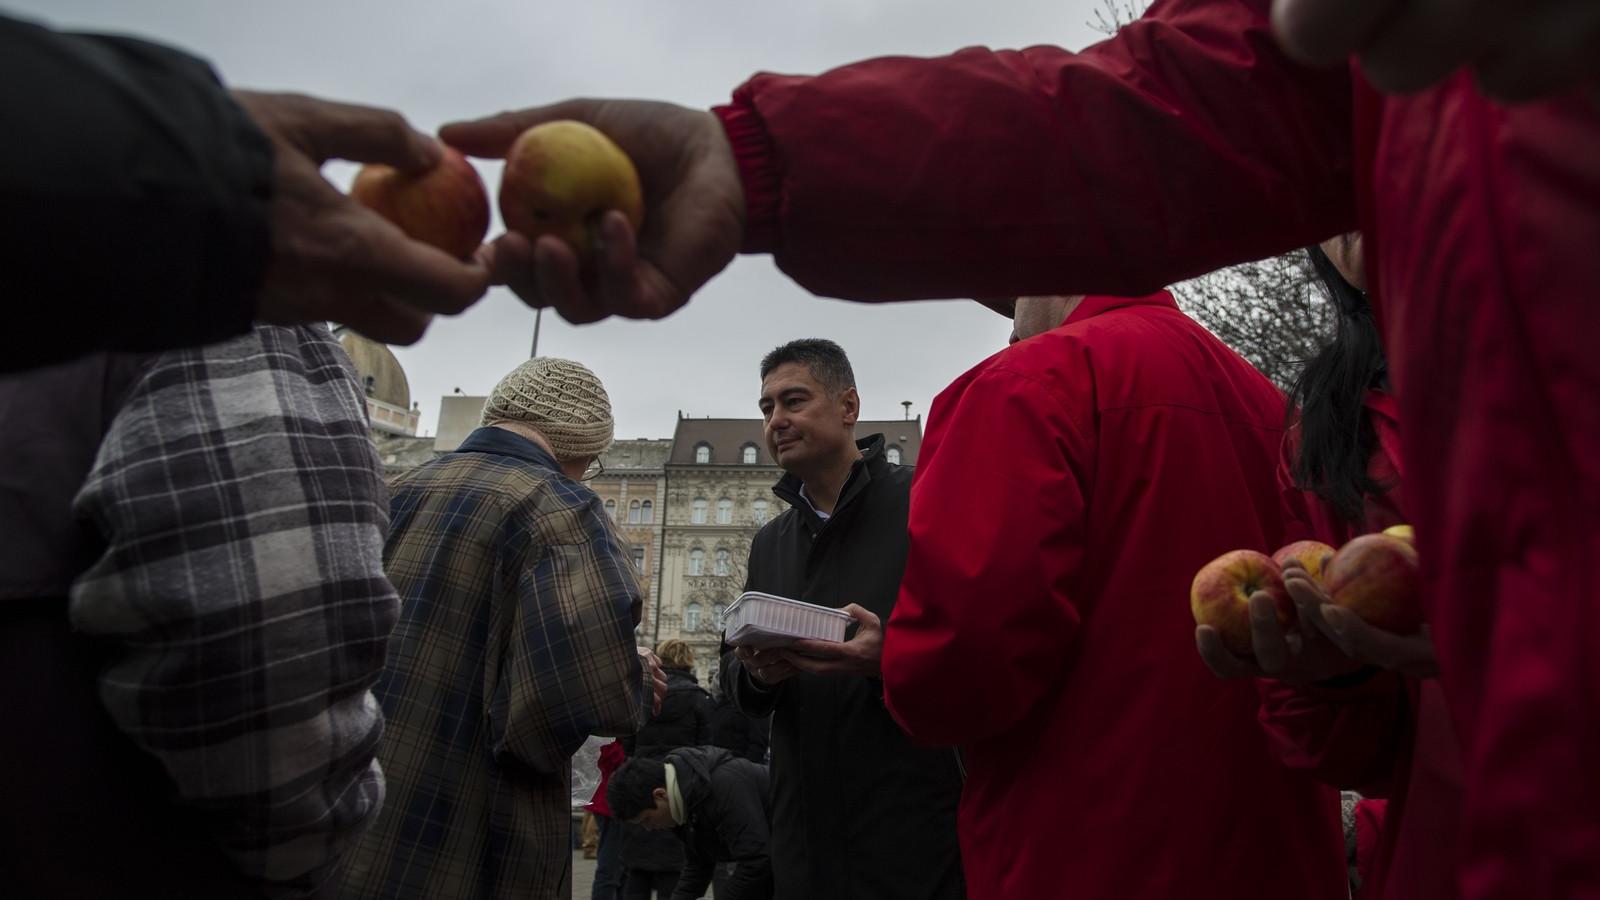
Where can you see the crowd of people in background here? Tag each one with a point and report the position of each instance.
(240, 664)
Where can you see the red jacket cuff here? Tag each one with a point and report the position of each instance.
(758, 170)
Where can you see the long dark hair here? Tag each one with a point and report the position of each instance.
(1327, 401)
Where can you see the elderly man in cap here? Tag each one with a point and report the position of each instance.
(515, 642)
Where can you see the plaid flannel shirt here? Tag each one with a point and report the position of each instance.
(515, 642)
(243, 509)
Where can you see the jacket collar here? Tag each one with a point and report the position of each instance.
(862, 471)
(499, 441)
(1095, 304)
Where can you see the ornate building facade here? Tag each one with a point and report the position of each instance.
(633, 488)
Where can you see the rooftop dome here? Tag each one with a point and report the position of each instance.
(377, 370)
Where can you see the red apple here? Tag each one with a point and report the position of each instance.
(560, 177)
(445, 206)
(1312, 555)
(1377, 577)
(1220, 595)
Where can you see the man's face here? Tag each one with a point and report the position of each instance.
(1035, 315)
(658, 817)
(803, 425)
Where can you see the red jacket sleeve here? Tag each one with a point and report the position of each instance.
(984, 625)
(1186, 142)
(1348, 737)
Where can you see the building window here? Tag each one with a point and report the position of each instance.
(724, 559)
(758, 512)
(724, 511)
(749, 456)
(633, 513)
(611, 510)
(647, 513)
(638, 559)
(698, 516)
(892, 455)
(719, 615)
(691, 617)
(702, 453)
(697, 561)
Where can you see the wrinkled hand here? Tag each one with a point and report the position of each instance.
(766, 666)
(1407, 654)
(693, 220)
(333, 259)
(658, 677)
(861, 655)
(1296, 655)
(1519, 49)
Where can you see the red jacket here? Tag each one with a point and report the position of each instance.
(1189, 141)
(612, 756)
(1068, 489)
(1389, 736)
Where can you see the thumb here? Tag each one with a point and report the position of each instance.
(490, 137)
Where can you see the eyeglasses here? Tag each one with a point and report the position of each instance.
(595, 470)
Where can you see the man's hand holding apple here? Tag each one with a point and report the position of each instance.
(693, 217)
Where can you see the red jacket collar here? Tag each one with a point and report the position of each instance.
(1095, 304)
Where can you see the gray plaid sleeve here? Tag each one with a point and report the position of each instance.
(242, 588)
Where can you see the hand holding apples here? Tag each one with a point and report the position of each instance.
(331, 258)
(693, 212)
(1274, 648)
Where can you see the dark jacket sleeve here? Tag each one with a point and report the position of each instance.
(133, 198)
(696, 876)
(760, 734)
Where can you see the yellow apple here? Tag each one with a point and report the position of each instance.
(1220, 596)
(561, 177)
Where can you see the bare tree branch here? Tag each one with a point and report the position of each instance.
(1269, 311)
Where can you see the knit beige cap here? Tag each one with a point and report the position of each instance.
(562, 399)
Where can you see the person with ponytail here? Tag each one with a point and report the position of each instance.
(1359, 708)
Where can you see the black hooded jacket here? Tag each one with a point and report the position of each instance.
(684, 721)
(858, 811)
(727, 809)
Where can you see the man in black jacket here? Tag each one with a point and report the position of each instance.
(715, 803)
(144, 206)
(858, 811)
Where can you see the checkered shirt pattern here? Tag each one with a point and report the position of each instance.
(243, 510)
(515, 643)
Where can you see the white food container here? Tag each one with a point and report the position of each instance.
(759, 621)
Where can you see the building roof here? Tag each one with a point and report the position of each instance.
(378, 371)
(728, 438)
(648, 454)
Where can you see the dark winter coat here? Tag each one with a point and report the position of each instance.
(858, 811)
(727, 804)
(739, 734)
(684, 721)
(134, 150)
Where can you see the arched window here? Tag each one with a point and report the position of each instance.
(719, 615)
(647, 512)
(758, 512)
(724, 560)
(691, 617)
(892, 455)
(702, 453)
(697, 561)
(724, 511)
(749, 456)
(611, 510)
(633, 513)
(698, 514)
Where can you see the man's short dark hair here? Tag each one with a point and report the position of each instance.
(631, 788)
(823, 358)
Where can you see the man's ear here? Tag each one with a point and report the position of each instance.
(851, 401)
(659, 794)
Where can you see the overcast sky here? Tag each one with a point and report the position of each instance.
(447, 59)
